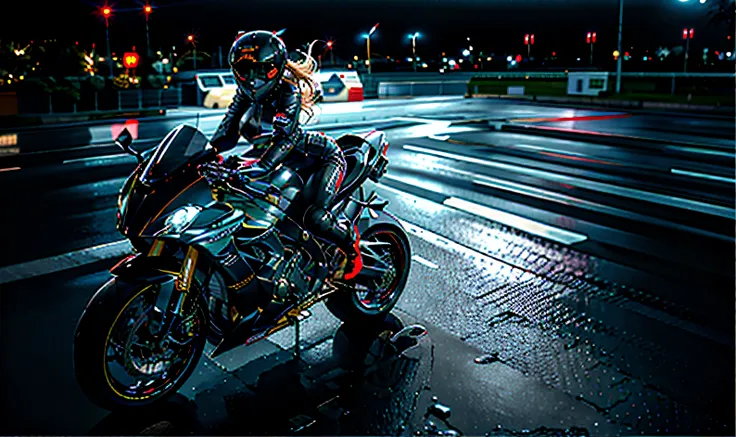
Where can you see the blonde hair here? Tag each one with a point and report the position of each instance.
(301, 74)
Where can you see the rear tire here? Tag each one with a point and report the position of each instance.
(91, 346)
(347, 305)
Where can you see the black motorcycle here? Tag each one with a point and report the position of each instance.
(200, 241)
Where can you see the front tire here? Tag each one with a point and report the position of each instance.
(353, 306)
(103, 365)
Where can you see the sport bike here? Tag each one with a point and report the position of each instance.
(203, 242)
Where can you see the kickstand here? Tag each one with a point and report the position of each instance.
(295, 322)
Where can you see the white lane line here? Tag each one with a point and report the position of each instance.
(65, 261)
(701, 175)
(702, 151)
(425, 262)
(98, 158)
(631, 193)
(441, 242)
(10, 169)
(531, 226)
(439, 137)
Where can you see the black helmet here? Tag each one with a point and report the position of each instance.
(257, 60)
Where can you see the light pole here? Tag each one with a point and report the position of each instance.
(620, 49)
(147, 9)
(414, 37)
(368, 45)
(332, 54)
(106, 12)
(190, 38)
(687, 36)
(590, 39)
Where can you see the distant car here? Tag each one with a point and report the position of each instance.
(219, 88)
(219, 98)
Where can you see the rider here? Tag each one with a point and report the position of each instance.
(273, 92)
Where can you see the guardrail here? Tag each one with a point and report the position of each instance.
(110, 100)
(423, 88)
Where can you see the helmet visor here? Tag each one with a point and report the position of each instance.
(252, 71)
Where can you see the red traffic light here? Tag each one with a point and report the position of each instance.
(692, 33)
(130, 59)
(526, 39)
(684, 33)
(106, 11)
(587, 38)
(594, 37)
(532, 39)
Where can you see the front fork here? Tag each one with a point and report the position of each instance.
(174, 293)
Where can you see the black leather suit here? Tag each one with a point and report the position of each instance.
(278, 115)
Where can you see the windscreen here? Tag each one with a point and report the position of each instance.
(174, 151)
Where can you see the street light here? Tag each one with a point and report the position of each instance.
(332, 54)
(368, 45)
(147, 9)
(413, 38)
(190, 38)
(106, 12)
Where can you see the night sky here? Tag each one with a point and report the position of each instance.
(493, 25)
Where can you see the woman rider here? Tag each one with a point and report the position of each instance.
(273, 94)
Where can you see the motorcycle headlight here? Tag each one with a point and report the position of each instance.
(182, 218)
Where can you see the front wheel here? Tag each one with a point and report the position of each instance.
(370, 298)
(121, 359)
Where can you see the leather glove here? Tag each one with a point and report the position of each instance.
(254, 172)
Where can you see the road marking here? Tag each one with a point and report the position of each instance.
(10, 169)
(701, 175)
(98, 158)
(702, 151)
(425, 262)
(631, 193)
(70, 260)
(573, 118)
(440, 241)
(439, 137)
(522, 223)
(527, 225)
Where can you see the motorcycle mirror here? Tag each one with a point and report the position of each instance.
(124, 139)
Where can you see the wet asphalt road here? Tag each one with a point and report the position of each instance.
(599, 277)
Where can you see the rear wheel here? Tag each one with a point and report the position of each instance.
(370, 299)
(120, 357)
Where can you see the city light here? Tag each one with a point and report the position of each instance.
(147, 9)
(702, 2)
(424, 65)
(513, 62)
(106, 11)
(489, 59)
(190, 38)
(509, 58)
(466, 52)
(329, 44)
(409, 59)
(355, 58)
(165, 61)
(444, 59)
(451, 63)
(728, 54)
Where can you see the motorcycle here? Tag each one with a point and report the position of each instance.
(200, 241)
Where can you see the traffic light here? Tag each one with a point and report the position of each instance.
(532, 39)
(692, 33)
(588, 38)
(684, 34)
(190, 38)
(329, 44)
(594, 37)
(526, 39)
